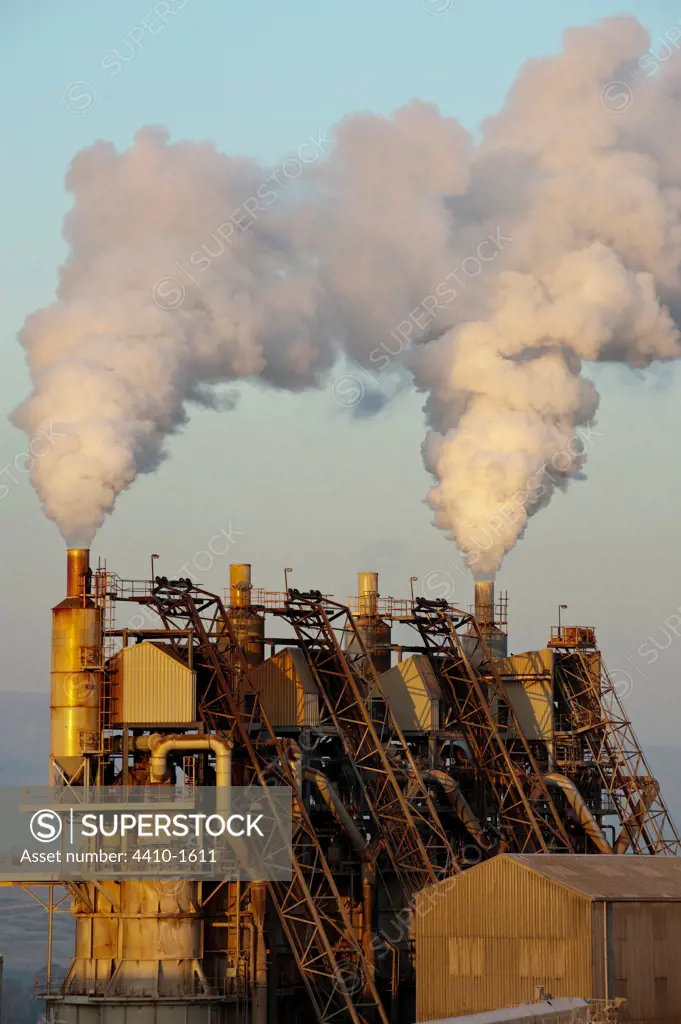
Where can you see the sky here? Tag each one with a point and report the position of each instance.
(299, 481)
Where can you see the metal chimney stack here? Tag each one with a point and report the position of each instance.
(248, 624)
(375, 632)
(485, 615)
(76, 673)
(484, 603)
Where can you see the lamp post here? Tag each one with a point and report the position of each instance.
(561, 607)
(153, 559)
(286, 572)
(412, 581)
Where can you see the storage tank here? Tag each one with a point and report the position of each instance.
(76, 672)
(140, 957)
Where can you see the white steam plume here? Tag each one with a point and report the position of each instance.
(581, 210)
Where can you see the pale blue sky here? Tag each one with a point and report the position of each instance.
(305, 484)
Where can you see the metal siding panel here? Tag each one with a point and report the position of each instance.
(610, 876)
(532, 701)
(646, 941)
(501, 913)
(410, 688)
(285, 685)
(598, 958)
(311, 709)
(152, 687)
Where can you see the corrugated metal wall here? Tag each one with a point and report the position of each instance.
(488, 939)
(287, 690)
(411, 687)
(151, 687)
(645, 940)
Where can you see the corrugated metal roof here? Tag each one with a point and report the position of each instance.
(604, 877)
(548, 1009)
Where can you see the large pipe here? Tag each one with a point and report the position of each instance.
(339, 810)
(636, 819)
(360, 845)
(581, 811)
(76, 672)
(461, 806)
(162, 747)
(258, 897)
(484, 603)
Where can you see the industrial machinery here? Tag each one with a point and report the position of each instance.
(407, 763)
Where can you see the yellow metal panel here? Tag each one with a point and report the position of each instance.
(75, 680)
(151, 687)
(528, 663)
(528, 679)
(532, 701)
(507, 929)
(410, 688)
(466, 956)
(288, 692)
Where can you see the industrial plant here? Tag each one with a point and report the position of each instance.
(419, 754)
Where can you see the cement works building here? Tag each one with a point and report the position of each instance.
(594, 927)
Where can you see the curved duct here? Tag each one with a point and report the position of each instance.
(360, 845)
(461, 806)
(340, 812)
(581, 811)
(162, 747)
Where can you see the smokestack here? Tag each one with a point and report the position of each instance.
(248, 624)
(375, 632)
(240, 585)
(484, 603)
(76, 674)
(77, 567)
(367, 591)
(495, 638)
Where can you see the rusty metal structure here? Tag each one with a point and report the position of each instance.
(407, 764)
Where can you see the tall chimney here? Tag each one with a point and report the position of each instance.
(77, 568)
(76, 674)
(240, 585)
(495, 638)
(367, 592)
(247, 623)
(375, 632)
(484, 603)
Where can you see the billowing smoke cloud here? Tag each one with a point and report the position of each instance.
(554, 242)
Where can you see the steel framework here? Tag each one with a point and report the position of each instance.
(595, 713)
(527, 813)
(313, 915)
(410, 831)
